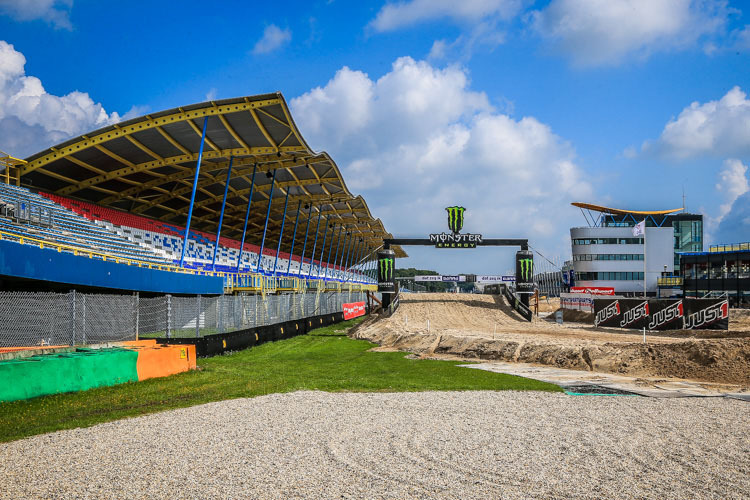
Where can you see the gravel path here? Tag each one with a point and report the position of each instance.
(404, 445)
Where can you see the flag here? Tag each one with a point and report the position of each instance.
(640, 228)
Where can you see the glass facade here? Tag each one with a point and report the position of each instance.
(718, 274)
(688, 229)
(610, 276)
(608, 241)
(608, 256)
(688, 237)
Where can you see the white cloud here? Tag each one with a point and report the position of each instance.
(273, 38)
(55, 12)
(605, 32)
(732, 183)
(418, 139)
(31, 119)
(717, 128)
(398, 15)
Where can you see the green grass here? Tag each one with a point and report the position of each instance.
(324, 360)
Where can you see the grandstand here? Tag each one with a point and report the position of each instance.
(216, 198)
(120, 194)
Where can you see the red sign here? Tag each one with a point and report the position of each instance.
(354, 310)
(593, 290)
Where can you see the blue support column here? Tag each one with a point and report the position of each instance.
(294, 237)
(338, 241)
(352, 246)
(281, 232)
(265, 226)
(304, 246)
(221, 217)
(315, 243)
(347, 243)
(323, 248)
(358, 255)
(247, 215)
(192, 197)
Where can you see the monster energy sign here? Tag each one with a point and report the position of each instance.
(524, 271)
(527, 269)
(386, 266)
(455, 239)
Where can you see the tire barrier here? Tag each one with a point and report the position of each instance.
(84, 368)
(663, 314)
(213, 345)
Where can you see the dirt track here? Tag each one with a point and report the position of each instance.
(484, 326)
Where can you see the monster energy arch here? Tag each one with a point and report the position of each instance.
(456, 239)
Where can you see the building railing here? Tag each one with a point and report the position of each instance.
(247, 282)
(670, 281)
(735, 247)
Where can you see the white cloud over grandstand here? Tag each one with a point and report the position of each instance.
(716, 128)
(418, 139)
(32, 119)
(54, 12)
(273, 38)
(605, 32)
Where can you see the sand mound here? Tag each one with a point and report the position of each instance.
(485, 327)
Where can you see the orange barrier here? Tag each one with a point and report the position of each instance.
(163, 360)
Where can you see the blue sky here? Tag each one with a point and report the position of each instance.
(511, 108)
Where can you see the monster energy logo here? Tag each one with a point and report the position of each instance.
(527, 268)
(386, 268)
(455, 218)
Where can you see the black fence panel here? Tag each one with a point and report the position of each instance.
(212, 345)
(663, 314)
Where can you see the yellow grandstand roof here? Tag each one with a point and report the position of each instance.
(146, 166)
(617, 211)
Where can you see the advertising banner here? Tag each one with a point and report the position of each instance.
(354, 310)
(489, 279)
(454, 278)
(524, 271)
(386, 265)
(663, 314)
(593, 290)
(428, 278)
(577, 302)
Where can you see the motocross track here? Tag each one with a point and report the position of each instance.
(485, 327)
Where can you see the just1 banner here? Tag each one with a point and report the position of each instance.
(354, 310)
(663, 314)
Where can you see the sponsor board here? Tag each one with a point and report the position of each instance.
(593, 290)
(428, 278)
(663, 314)
(495, 279)
(354, 310)
(577, 302)
(454, 278)
(455, 239)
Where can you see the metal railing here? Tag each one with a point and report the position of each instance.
(736, 247)
(243, 282)
(74, 318)
(669, 281)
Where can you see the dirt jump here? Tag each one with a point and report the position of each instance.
(474, 326)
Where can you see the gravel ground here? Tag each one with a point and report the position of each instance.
(404, 445)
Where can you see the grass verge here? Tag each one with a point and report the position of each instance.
(325, 359)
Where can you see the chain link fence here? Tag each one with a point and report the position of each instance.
(29, 319)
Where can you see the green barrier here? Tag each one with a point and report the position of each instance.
(83, 369)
